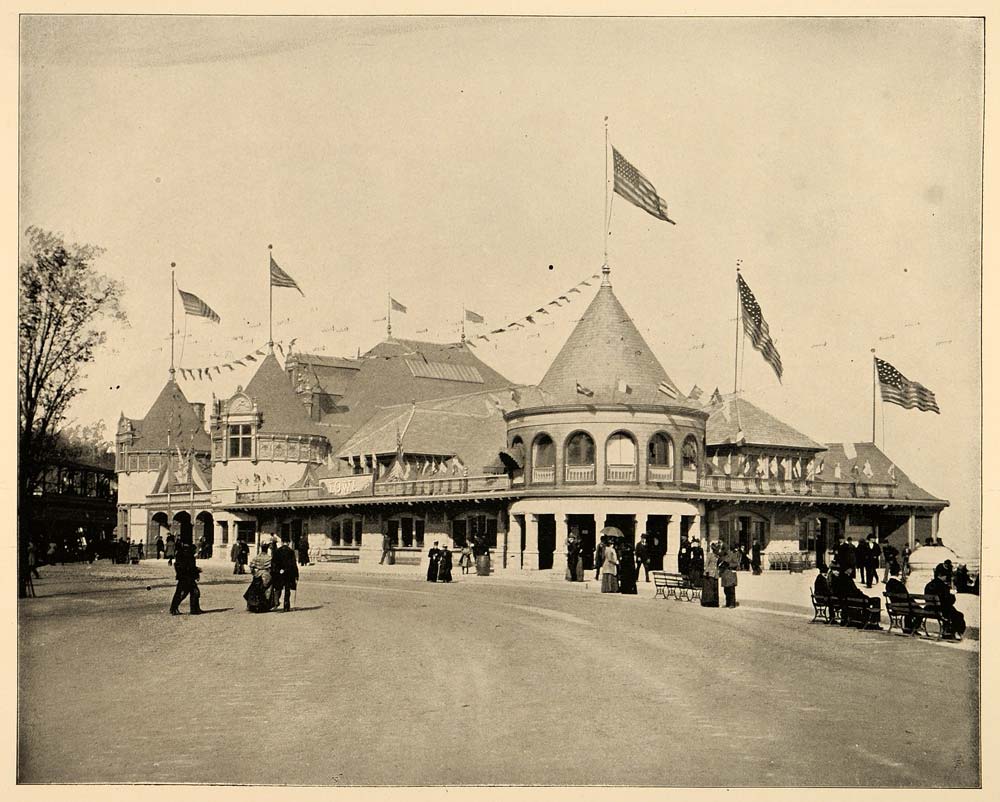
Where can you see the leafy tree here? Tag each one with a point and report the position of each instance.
(62, 299)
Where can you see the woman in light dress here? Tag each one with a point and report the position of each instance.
(609, 569)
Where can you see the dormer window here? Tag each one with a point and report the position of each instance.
(240, 441)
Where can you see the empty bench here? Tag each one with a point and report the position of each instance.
(676, 585)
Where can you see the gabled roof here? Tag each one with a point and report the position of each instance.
(733, 414)
(605, 349)
(171, 421)
(327, 374)
(282, 411)
(403, 372)
(469, 426)
(836, 453)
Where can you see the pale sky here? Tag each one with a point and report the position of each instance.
(452, 161)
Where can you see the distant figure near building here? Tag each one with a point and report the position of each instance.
(433, 559)
(642, 556)
(170, 548)
(466, 559)
(874, 554)
(304, 549)
(160, 547)
(938, 586)
(609, 569)
(755, 558)
(187, 572)
(683, 556)
(727, 576)
(710, 588)
(386, 549)
(696, 564)
(626, 570)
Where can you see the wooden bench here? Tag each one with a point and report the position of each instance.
(823, 610)
(919, 609)
(676, 585)
(858, 609)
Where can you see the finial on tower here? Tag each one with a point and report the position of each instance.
(606, 271)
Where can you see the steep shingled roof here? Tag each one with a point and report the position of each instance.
(403, 371)
(760, 428)
(282, 410)
(604, 349)
(173, 418)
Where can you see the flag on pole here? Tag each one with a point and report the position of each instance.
(756, 327)
(279, 278)
(396, 306)
(667, 390)
(193, 305)
(637, 189)
(897, 389)
(473, 317)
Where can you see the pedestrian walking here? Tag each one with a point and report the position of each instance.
(609, 568)
(599, 556)
(433, 559)
(696, 564)
(444, 567)
(755, 558)
(626, 570)
(683, 556)
(710, 587)
(727, 577)
(234, 556)
(862, 560)
(160, 547)
(187, 572)
(465, 560)
(874, 555)
(284, 572)
(642, 556)
(244, 555)
(260, 593)
(386, 549)
(304, 549)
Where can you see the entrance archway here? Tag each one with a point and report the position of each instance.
(205, 527)
(583, 529)
(182, 524)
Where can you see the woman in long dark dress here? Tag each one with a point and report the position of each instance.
(626, 570)
(444, 568)
(260, 594)
(710, 586)
(572, 555)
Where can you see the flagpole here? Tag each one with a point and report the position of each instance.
(463, 323)
(736, 352)
(605, 226)
(270, 303)
(388, 314)
(874, 382)
(173, 292)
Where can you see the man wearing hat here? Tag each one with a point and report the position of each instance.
(187, 571)
(433, 559)
(938, 586)
(285, 572)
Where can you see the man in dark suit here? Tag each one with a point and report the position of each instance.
(285, 572)
(938, 586)
(847, 557)
(433, 560)
(684, 556)
(897, 591)
(187, 571)
(843, 588)
(874, 553)
(862, 555)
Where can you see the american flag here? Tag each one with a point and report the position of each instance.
(193, 305)
(897, 389)
(636, 188)
(279, 278)
(756, 327)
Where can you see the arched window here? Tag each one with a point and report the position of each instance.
(620, 455)
(661, 458)
(543, 459)
(580, 458)
(689, 456)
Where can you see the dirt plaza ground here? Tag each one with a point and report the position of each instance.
(379, 678)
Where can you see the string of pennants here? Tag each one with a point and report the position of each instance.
(200, 374)
(530, 319)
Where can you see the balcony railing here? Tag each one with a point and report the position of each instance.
(580, 473)
(621, 473)
(660, 473)
(445, 486)
(543, 476)
(291, 494)
(796, 487)
(689, 476)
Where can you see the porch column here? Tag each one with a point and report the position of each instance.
(911, 530)
(530, 554)
(934, 524)
(673, 539)
(562, 535)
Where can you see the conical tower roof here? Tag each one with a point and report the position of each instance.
(606, 355)
(282, 410)
(171, 421)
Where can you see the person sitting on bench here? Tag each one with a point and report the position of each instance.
(938, 586)
(896, 591)
(843, 588)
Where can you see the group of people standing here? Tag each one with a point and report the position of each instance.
(275, 574)
(439, 563)
(862, 560)
(615, 563)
